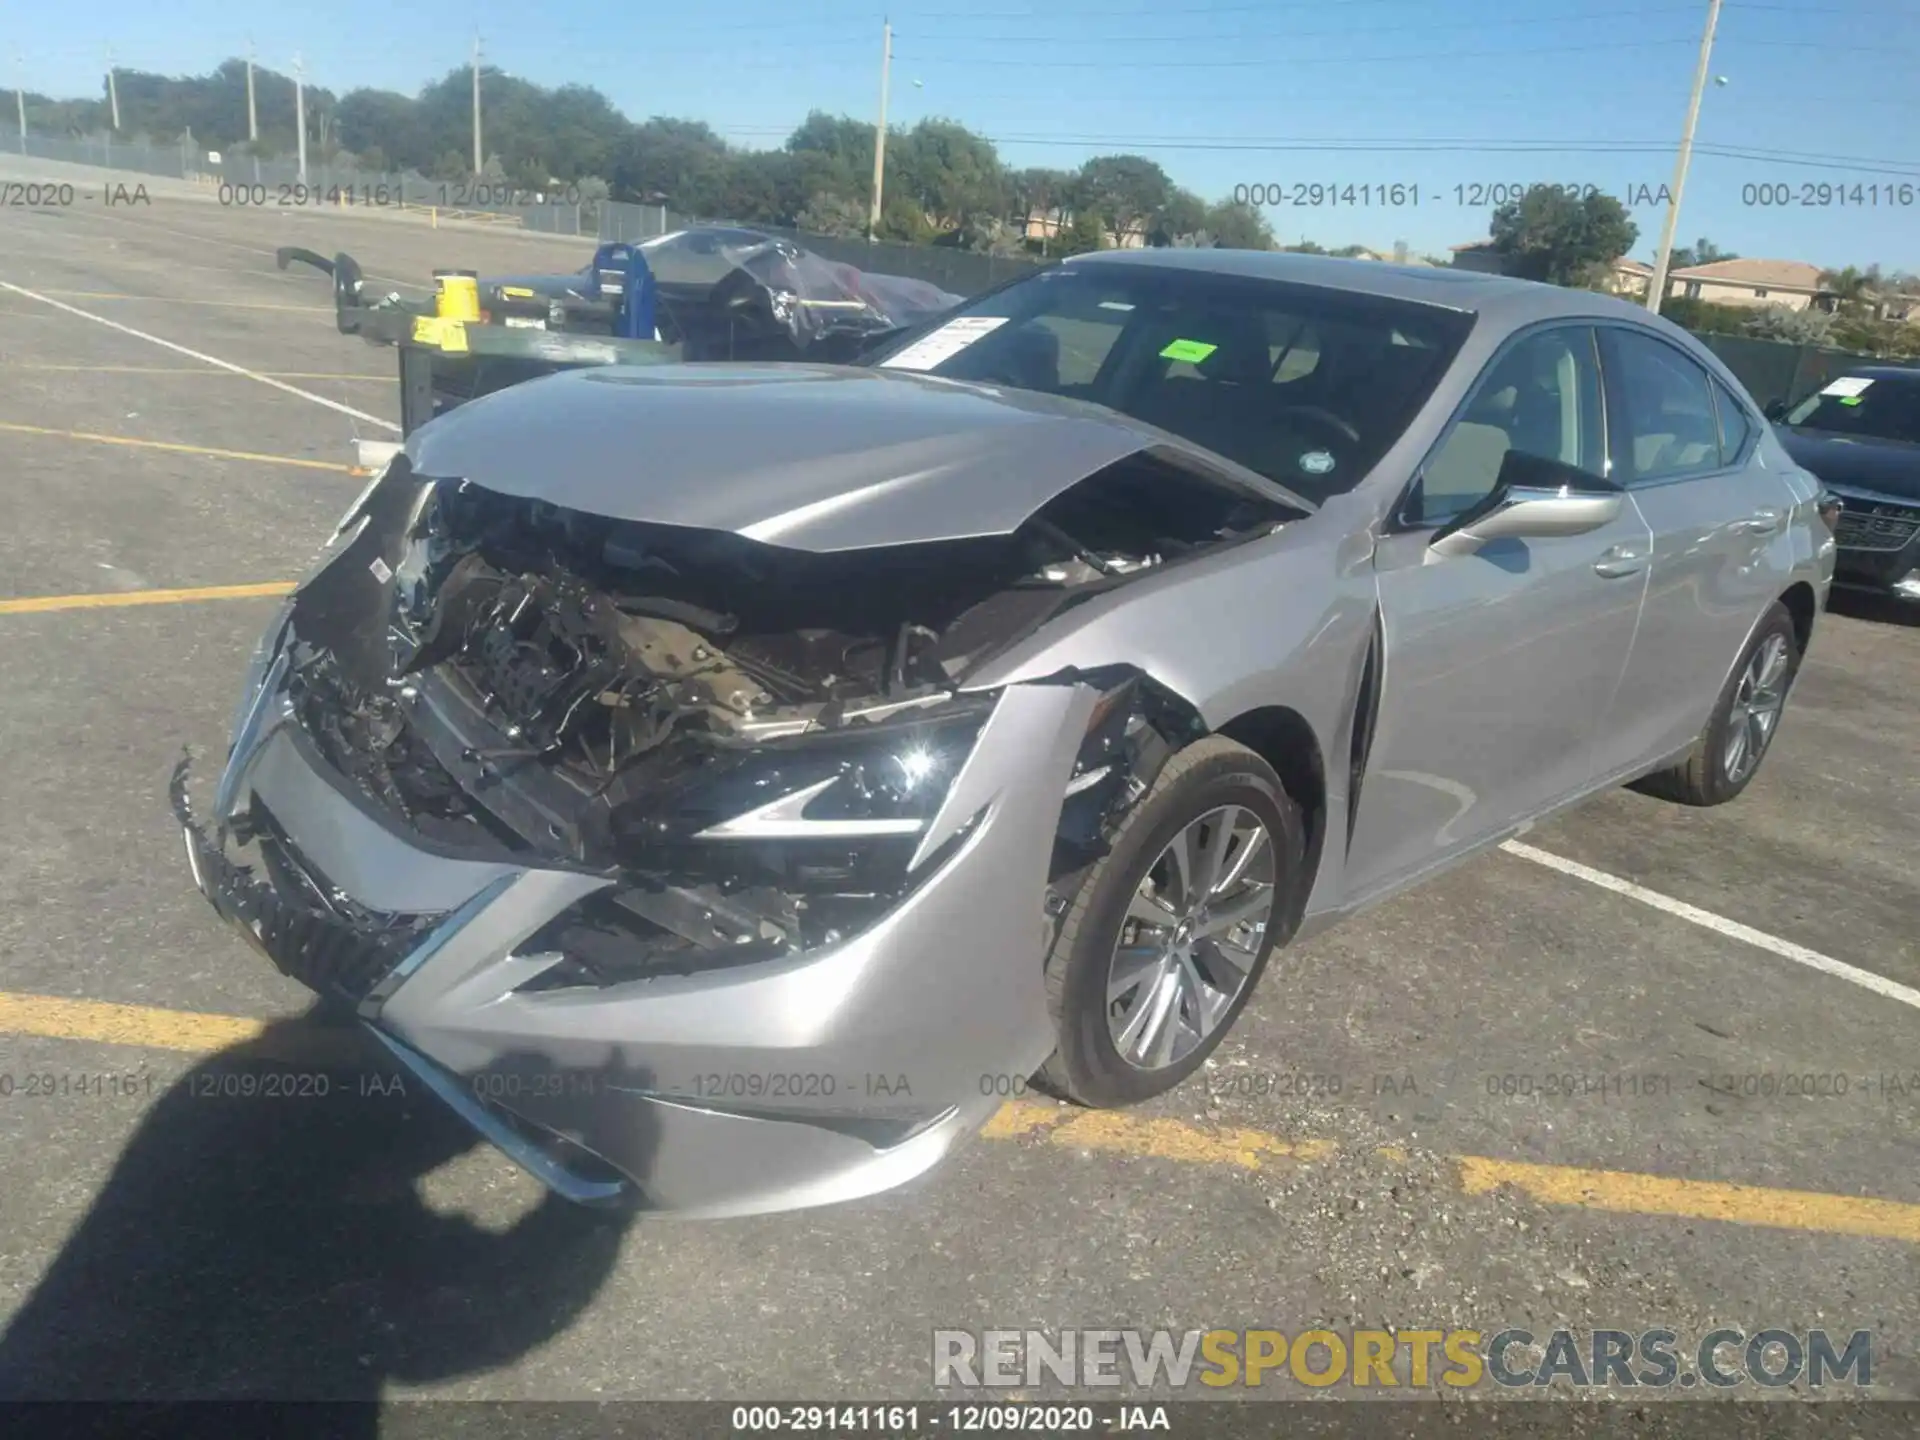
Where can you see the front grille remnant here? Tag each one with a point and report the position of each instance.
(334, 948)
(1876, 527)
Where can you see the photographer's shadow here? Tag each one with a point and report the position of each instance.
(277, 1247)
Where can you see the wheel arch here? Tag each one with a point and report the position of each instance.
(1804, 606)
(1282, 736)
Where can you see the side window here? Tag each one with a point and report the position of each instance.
(1665, 405)
(1735, 426)
(1542, 397)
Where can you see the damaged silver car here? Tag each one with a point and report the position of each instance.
(723, 784)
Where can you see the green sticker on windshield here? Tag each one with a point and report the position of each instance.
(1851, 399)
(1190, 351)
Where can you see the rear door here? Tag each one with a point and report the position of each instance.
(1499, 663)
(1685, 445)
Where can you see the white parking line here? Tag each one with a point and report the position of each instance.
(204, 359)
(1719, 924)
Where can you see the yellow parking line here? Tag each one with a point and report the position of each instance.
(40, 604)
(1627, 1193)
(1110, 1131)
(187, 370)
(141, 1025)
(336, 466)
(185, 300)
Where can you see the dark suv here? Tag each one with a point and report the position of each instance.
(1861, 436)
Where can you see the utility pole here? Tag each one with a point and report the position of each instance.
(20, 97)
(300, 113)
(253, 116)
(880, 131)
(113, 91)
(1657, 286)
(479, 160)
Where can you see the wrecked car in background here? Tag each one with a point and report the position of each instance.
(723, 783)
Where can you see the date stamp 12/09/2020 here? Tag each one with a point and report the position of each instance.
(1831, 194)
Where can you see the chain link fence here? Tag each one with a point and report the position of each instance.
(273, 183)
(1775, 370)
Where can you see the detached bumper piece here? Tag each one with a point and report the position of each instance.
(332, 952)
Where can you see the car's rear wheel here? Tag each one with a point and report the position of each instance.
(1745, 719)
(1171, 930)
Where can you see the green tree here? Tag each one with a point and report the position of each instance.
(1238, 226)
(1552, 235)
(1124, 191)
(1085, 232)
(830, 214)
(948, 171)
(1702, 252)
(1795, 327)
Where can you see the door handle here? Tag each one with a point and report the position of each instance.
(1620, 560)
(1761, 522)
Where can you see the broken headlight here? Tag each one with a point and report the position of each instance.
(846, 787)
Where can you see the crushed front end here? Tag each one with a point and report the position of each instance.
(683, 866)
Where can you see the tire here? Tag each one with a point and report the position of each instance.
(1207, 782)
(1708, 776)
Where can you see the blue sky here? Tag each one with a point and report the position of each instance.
(1220, 92)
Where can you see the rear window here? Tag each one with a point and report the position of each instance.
(1305, 385)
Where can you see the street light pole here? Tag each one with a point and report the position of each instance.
(300, 113)
(113, 91)
(253, 116)
(20, 97)
(1657, 285)
(479, 161)
(880, 131)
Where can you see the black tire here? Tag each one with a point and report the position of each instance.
(1702, 777)
(1086, 1066)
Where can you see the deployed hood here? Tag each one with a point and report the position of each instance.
(819, 458)
(1887, 466)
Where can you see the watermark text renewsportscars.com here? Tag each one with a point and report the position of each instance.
(1206, 1361)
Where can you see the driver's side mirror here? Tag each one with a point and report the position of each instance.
(1534, 499)
(1775, 410)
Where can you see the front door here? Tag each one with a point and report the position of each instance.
(1499, 664)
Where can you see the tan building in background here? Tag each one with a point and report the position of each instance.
(1792, 283)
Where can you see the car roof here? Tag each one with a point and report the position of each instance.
(1910, 373)
(1510, 300)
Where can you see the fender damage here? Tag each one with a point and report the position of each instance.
(685, 864)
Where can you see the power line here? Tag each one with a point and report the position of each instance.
(1291, 35)
(1317, 61)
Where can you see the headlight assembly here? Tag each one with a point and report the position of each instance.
(858, 785)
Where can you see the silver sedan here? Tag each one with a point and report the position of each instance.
(722, 784)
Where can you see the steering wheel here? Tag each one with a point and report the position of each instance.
(1325, 419)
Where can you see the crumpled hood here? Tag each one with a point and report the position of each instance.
(813, 457)
(1886, 466)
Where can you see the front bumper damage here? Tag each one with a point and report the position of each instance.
(803, 1080)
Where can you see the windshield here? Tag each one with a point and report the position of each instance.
(1305, 385)
(1871, 408)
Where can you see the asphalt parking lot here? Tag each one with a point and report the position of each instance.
(1374, 1146)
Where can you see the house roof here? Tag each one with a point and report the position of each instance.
(1472, 245)
(1632, 266)
(1762, 274)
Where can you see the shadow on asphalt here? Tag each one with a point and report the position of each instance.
(276, 1248)
(1867, 605)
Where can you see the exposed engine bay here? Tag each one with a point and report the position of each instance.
(753, 736)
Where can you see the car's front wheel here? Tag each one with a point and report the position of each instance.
(1746, 717)
(1169, 933)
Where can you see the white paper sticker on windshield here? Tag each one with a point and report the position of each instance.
(1848, 385)
(946, 342)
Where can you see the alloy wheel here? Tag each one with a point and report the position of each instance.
(1192, 935)
(1757, 702)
